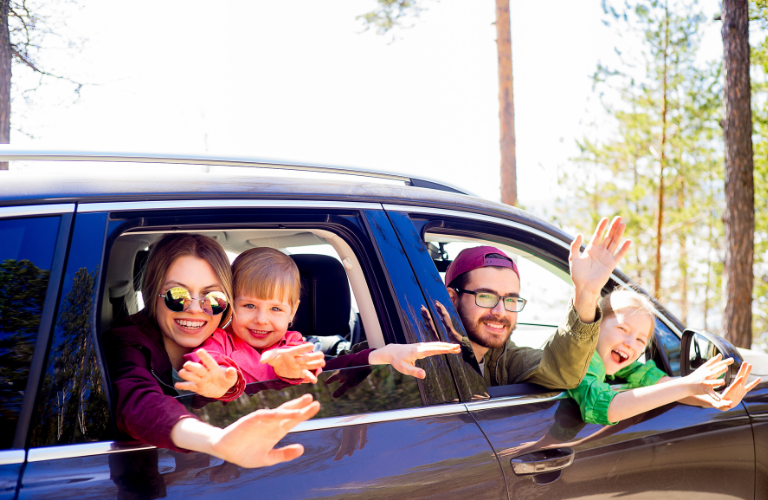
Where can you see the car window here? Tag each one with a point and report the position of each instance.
(546, 288)
(667, 341)
(329, 313)
(25, 263)
(338, 311)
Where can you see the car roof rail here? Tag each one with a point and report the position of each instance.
(9, 153)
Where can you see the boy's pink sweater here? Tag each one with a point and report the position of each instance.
(230, 350)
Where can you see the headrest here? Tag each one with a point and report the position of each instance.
(325, 301)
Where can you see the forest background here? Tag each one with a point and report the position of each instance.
(323, 88)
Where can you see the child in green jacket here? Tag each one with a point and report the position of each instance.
(627, 327)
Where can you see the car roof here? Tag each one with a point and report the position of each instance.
(21, 188)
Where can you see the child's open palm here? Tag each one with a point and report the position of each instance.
(591, 269)
(732, 396)
(207, 378)
(706, 377)
(297, 362)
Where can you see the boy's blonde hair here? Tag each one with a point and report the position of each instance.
(624, 299)
(265, 273)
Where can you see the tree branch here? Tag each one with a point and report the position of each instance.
(34, 68)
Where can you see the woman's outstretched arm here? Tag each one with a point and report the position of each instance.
(250, 441)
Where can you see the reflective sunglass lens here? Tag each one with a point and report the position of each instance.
(177, 299)
(215, 303)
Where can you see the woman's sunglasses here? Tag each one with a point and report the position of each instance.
(178, 299)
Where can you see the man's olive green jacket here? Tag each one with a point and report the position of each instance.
(561, 364)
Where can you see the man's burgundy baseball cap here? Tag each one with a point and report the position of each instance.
(475, 258)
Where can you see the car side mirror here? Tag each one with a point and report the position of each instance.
(698, 346)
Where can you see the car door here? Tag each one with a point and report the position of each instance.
(34, 243)
(756, 403)
(383, 436)
(671, 452)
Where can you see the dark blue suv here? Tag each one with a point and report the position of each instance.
(371, 257)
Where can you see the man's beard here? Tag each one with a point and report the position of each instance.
(491, 342)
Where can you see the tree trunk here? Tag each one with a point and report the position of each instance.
(739, 183)
(710, 245)
(5, 79)
(662, 161)
(506, 104)
(682, 259)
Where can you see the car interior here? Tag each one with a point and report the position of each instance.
(336, 308)
(546, 287)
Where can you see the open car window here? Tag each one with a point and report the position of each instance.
(546, 288)
(337, 310)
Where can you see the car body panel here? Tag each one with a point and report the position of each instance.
(756, 403)
(445, 456)
(673, 451)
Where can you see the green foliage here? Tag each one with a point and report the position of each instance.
(389, 14)
(662, 154)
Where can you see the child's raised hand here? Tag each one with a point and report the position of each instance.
(207, 378)
(403, 357)
(298, 362)
(739, 388)
(705, 378)
(592, 268)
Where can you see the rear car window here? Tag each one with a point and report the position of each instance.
(26, 255)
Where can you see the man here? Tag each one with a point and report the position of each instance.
(484, 285)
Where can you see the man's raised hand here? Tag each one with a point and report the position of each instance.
(403, 357)
(591, 269)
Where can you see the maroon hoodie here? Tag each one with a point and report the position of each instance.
(141, 374)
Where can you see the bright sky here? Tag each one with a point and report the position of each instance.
(300, 80)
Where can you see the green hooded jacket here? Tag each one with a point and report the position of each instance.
(594, 393)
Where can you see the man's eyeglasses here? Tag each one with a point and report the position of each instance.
(178, 299)
(489, 300)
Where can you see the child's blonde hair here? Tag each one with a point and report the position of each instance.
(265, 273)
(624, 299)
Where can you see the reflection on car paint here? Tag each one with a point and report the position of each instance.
(349, 391)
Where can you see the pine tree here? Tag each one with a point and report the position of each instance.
(659, 165)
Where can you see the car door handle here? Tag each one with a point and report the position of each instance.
(542, 461)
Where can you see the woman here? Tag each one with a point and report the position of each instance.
(145, 355)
